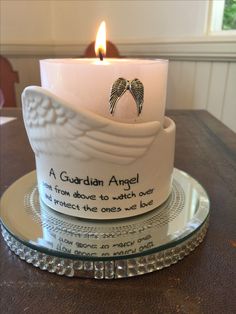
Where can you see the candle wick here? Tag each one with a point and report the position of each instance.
(100, 54)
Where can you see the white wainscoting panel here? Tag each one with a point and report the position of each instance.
(217, 86)
(229, 109)
(201, 86)
(209, 85)
(174, 73)
(181, 84)
(183, 76)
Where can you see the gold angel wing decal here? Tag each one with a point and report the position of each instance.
(54, 128)
(120, 86)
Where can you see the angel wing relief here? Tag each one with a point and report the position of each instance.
(118, 156)
(54, 128)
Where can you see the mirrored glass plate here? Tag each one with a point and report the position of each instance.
(104, 249)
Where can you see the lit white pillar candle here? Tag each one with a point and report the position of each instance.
(86, 83)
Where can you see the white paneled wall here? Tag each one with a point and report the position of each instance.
(200, 92)
(228, 113)
(216, 88)
(204, 85)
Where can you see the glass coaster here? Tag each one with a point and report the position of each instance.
(104, 249)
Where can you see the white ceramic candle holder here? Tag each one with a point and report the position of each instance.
(89, 166)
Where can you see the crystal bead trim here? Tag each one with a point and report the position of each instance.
(120, 268)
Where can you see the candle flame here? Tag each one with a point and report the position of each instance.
(100, 44)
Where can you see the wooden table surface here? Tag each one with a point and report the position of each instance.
(203, 282)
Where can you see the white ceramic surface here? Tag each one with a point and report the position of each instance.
(92, 167)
